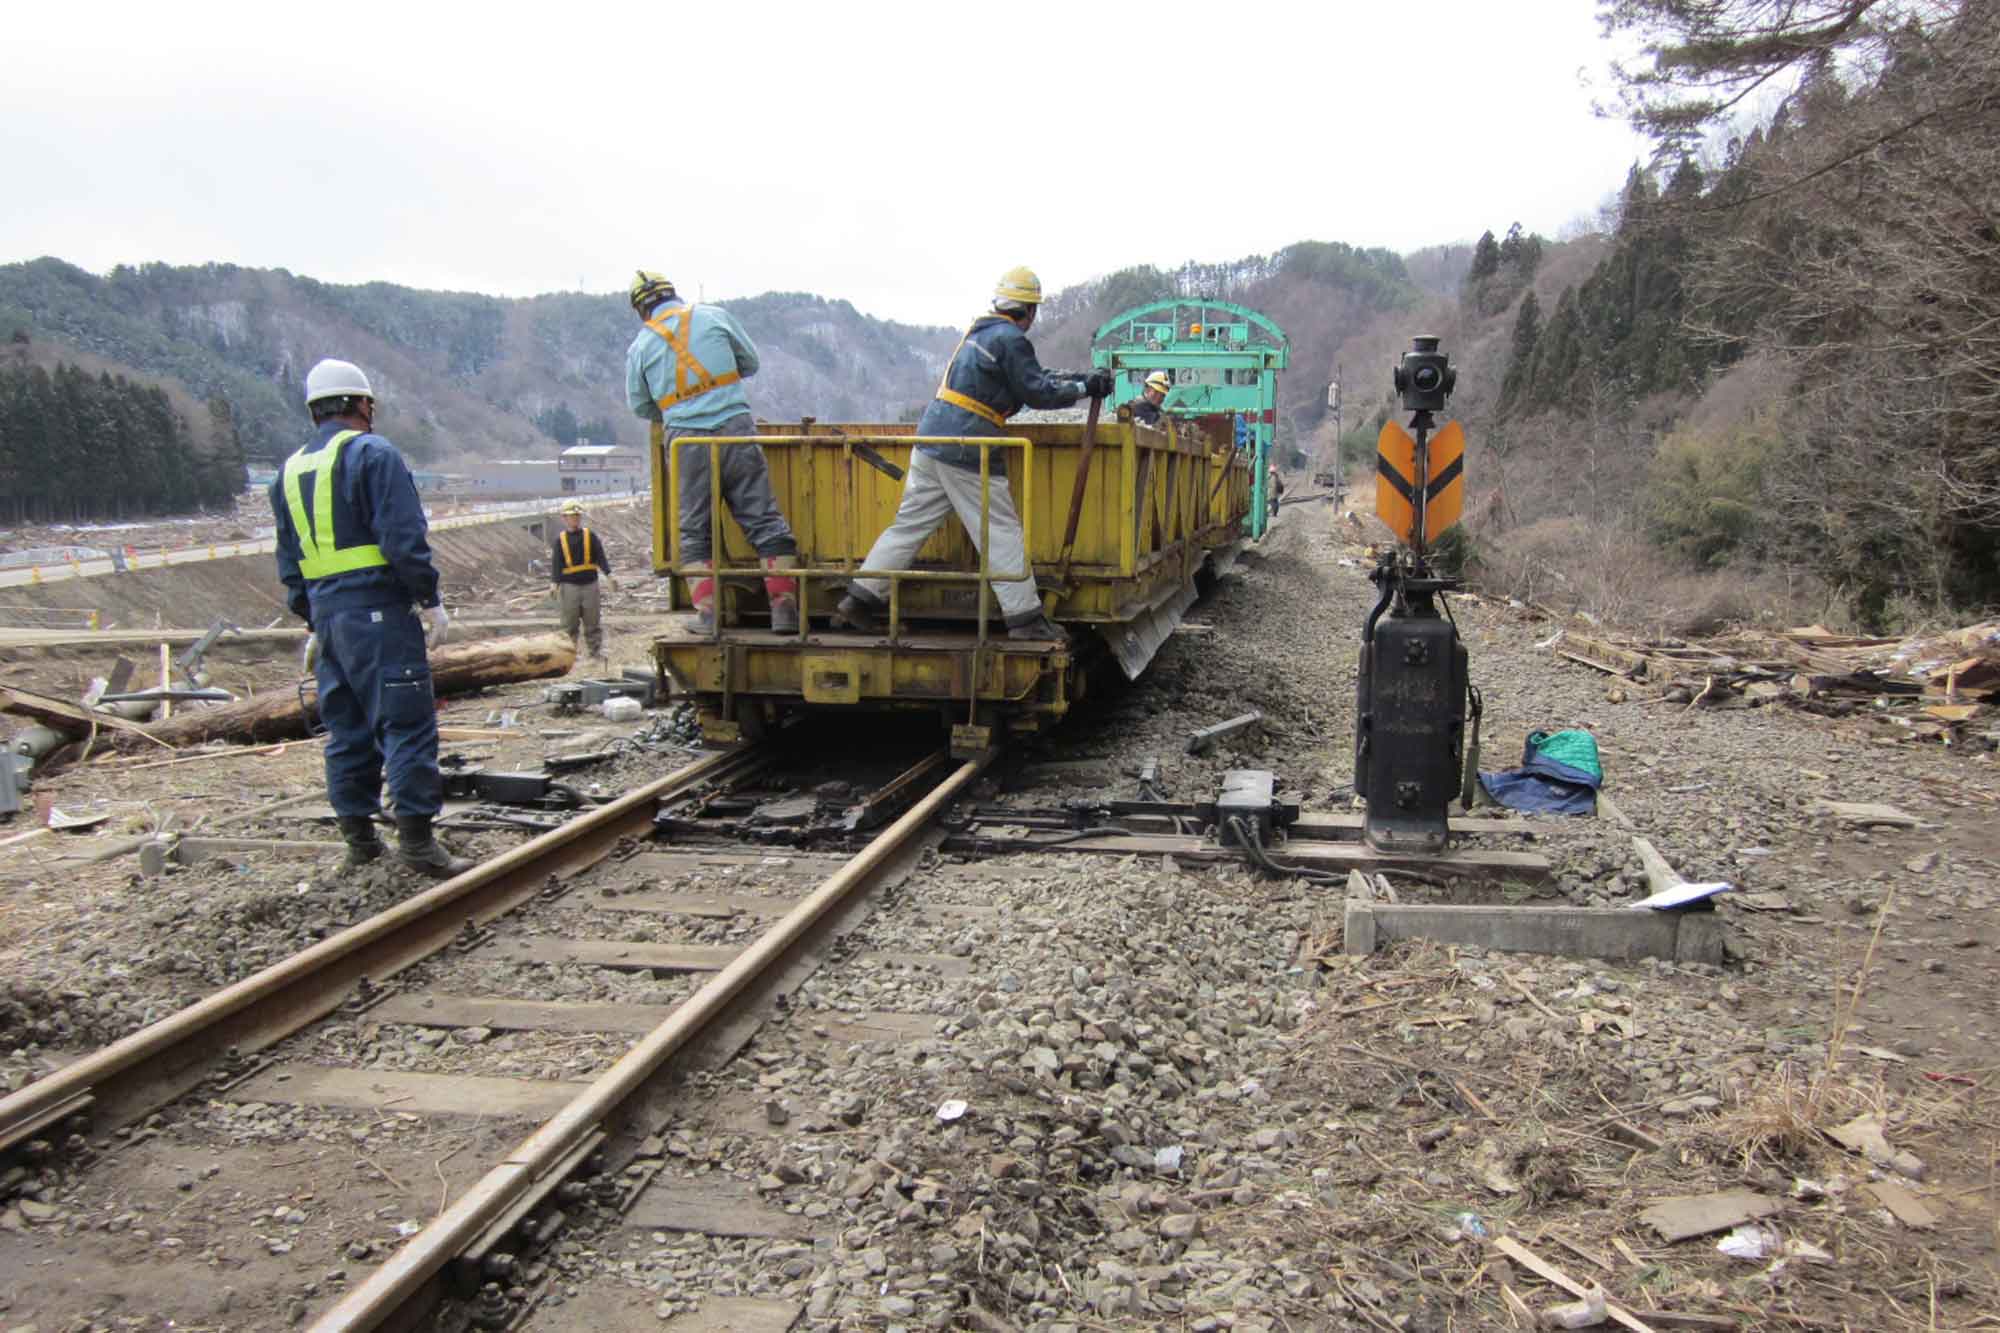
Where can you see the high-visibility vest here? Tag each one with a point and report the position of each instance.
(572, 565)
(691, 378)
(947, 394)
(318, 556)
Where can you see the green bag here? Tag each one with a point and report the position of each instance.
(1572, 749)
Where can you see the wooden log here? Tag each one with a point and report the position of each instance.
(280, 715)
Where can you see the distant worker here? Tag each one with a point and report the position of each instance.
(685, 369)
(355, 557)
(576, 558)
(992, 374)
(1274, 488)
(1146, 407)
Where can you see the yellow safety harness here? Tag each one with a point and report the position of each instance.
(947, 394)
(318, 556)
(688, 383)
(571, 565)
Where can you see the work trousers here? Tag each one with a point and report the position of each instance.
(582, 604)
(746, 489)
(375, 698)
(932, 491)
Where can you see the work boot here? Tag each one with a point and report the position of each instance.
(784, 594)
(857, 615)
(1034, 625)
(364, 844)
(419, 850)
(702, 594)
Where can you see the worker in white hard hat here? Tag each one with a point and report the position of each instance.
(354, 553)
(1146, 407)
(686, 369)
(992, 374)
(576, 559)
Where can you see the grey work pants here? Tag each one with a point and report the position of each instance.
(581, 605)
(933, 490)
(746, 489)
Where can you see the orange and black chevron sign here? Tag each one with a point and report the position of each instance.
(1396, 485)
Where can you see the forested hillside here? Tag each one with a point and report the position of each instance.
(458, 374)
(1783, 364)
(76, 445)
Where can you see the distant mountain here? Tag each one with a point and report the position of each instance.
(458, 373)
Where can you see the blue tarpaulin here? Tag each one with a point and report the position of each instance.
(1546, 785)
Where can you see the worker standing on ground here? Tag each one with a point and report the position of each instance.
(1274, 488)
(1146, 407)
(992, 375)
(354, 553)
(685, 369)
(576, 558)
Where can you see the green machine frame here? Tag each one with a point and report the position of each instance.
(1224, 358)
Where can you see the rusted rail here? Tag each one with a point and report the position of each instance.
(396, 1294)
(141, 1072)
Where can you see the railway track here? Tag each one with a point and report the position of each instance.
(573, 899)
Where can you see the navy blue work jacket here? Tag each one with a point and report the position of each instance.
(996, 365)
(375, 500)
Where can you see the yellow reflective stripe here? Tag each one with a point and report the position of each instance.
(570, 563)
(945, 394)
(687, 384)
(318, 556)
(972, 405)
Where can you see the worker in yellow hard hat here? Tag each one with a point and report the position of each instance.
(686, 369)
(991, 375)
(576, 559)
(1146, 407)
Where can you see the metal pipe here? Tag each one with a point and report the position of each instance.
(140, 1046)
(425, 1255)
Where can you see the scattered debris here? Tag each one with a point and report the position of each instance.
(1200, 742)
(1700, 1214)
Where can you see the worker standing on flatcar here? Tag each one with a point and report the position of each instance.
(354, 554)
(992, 375)
(576, 558)
(1146, 408)
(685, 369)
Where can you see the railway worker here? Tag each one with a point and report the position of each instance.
(1146, 408)
(1274, 488)
(354, 554)
(685, 369)
(576, 558)
(992, 374)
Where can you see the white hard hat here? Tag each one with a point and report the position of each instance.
(571, 507)
(336, 379)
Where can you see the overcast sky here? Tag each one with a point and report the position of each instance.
(897, 155)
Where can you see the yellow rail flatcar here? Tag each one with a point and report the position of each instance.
(1157, 507)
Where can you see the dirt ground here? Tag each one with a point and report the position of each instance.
(1421, 1102)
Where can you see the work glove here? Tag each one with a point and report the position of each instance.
(440, 625)
(310, 657)
(611, 582)
(1098, 383)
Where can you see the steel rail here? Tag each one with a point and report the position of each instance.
(384, 1296)
(148, 1068)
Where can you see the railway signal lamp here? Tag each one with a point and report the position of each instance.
(1425, 376)
(1413, 751)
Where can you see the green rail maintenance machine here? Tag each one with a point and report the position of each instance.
(1224, 359)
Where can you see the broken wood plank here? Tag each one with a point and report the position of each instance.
(60, 714)
(1903, 1203)
(1865, 813)
(1699, 1214)
(1548, 1272)
(1572, 932)
(1200, 742)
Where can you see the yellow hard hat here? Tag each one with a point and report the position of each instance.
(571, 507)
(648, 290)
(1160, 380)
(1019, 284)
